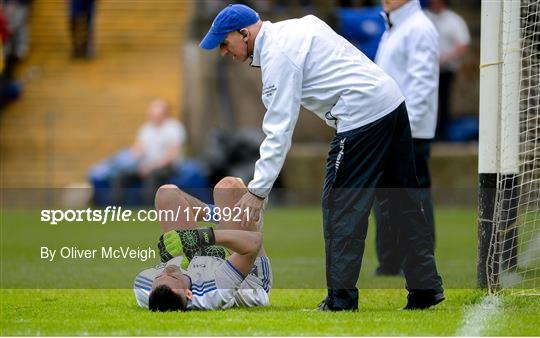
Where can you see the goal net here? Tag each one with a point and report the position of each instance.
(513, 253)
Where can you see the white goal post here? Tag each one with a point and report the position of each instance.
(509, 147)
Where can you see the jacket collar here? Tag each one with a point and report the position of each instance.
(398, 16)
(258, 45)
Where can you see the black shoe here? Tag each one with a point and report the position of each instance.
(420, 301)
(325, 306)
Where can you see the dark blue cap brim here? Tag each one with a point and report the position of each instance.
(212, 40)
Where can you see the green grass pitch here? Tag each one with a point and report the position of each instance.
(95, 298)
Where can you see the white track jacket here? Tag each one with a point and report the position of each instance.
(409, 52)
(304, 62)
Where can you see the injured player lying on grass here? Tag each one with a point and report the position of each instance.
(203, 268)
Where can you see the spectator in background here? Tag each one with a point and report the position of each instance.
(156, 150)
(10, 90)
(16, 47)
(4, 34)
(409, 53)
(454, 39)
(81, 18)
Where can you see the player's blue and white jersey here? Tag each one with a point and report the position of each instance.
(215, 283)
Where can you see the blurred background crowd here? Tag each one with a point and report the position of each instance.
(116, 95)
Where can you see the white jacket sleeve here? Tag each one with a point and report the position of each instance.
(423, 69)
(281, 94)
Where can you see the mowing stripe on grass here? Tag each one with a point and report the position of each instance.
(480, 316)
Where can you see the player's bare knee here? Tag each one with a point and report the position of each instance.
(228, 190)
(230, 182)
(167, 187)
(164, 193)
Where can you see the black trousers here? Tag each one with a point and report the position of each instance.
(446, 81)
(376, 159)
(149, 184)
(389, 253)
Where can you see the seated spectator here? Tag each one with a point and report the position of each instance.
(155, 152)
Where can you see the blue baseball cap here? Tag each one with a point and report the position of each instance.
(230, 19)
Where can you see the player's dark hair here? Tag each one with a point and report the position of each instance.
(163, 299)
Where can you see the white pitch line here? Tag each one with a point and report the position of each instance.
(480, 316)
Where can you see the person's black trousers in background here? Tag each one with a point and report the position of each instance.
(444, 116)
(121, 183)
(81, 14)
(387, 245)
(376, 159)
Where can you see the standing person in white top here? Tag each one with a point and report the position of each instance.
(409, 52)
(454, 40)
(304, 62)
(156, 150)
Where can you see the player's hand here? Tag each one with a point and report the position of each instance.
(170, 246)
(173, 243)
(251, 207)
(188, 242)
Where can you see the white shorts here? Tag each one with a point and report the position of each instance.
(247, 292)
